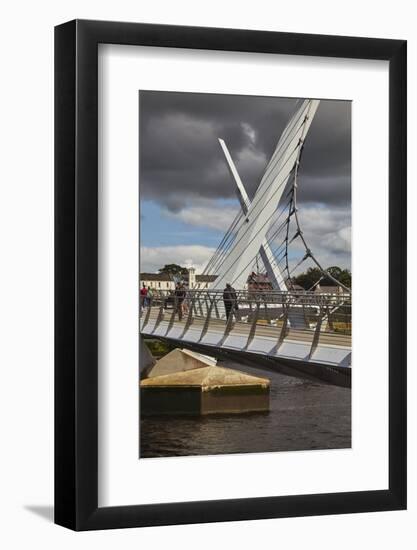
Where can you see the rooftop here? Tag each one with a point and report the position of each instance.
(168, 277)
(205, 278)
(155, 277)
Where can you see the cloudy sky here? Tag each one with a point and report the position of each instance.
(188, 199)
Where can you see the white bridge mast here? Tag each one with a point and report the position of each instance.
(274, 273)
(251, 235)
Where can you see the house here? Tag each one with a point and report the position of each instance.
(259, 281)
(203, 281)
(293, 287)
(165, 281)
(157, 281)
(329, 289)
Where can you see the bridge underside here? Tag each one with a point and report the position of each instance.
(337, 376)
(304, 353)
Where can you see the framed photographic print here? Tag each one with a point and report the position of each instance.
(230, 275)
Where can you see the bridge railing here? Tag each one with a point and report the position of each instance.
(286, 311)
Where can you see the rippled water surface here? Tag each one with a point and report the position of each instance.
(303, 415)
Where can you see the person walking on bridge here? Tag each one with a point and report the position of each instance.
(179, 299)
(230, 300)
(149, 296)
(143, 294)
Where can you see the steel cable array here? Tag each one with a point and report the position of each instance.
(285, 227)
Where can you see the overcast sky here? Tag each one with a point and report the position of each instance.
(188, 198)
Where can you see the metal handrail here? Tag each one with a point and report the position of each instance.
(277, 297)
(323, 314)
(288, 312)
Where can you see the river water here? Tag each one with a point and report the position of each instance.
(303, 415)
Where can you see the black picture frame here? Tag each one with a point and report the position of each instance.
(76, 272)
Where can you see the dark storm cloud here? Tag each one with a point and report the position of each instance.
(180, 157)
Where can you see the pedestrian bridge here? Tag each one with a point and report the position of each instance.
(280, 329)
(298, 333)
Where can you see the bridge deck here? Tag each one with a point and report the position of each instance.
(306, 345)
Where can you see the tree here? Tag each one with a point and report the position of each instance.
(174, 270)
(313, 274)
(334, 271)
(308, 279)
(345, 277)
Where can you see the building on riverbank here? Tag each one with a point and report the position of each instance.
(166, 281)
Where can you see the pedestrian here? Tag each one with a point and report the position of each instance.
(149, 296)
(179, 299)
(230, 301)
(143, 294)
(185, 308)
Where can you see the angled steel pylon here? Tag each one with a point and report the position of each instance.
(274, 273)
(251, 234)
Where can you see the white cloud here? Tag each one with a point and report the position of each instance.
(152, 258)
(248, 131)
(339, 241)
(208, 214)
(252, 163)
(327, 231)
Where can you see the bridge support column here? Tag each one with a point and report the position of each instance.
(229, 324)
(253, 326)
(148, 313)
(199, 305)
(330, 320)
(172, 319)
(189, 320)
(207, 321)
(160, 316)
(316, 336)
(283, 331)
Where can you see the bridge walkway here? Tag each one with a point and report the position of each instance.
(262, 330)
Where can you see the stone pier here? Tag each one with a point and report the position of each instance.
(185, 383)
